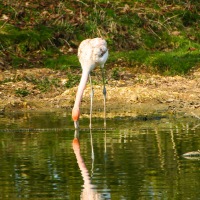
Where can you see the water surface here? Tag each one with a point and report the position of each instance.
(135, 158)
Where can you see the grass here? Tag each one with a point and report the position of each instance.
(179, 60)
(167, 63)
(162, 36)
(62, 62)
(22, 92)
(72, 80)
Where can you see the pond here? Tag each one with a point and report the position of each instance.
(42, 157)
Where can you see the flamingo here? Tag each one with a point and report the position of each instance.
(91, 53)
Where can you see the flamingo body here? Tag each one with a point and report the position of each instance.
(91, 53)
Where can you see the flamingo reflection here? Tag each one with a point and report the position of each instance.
(89, 192)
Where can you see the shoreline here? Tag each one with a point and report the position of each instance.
(133, 93)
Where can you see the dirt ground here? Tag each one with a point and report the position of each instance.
(131, 94)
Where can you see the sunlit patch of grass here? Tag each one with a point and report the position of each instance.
(171, 63)
(62, 62)
(177, 61)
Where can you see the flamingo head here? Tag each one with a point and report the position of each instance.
(75, 117)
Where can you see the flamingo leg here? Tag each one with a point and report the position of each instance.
(104, 94)
(91, 100)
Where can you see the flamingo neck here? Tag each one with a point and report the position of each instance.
(79, 94)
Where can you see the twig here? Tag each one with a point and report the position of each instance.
(3, 24)
(82, 2)
(195, 115)
(152, 31)
(159, 24)
(169, 18)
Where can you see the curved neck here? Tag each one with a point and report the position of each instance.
(81, 88)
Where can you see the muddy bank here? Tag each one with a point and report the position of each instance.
(25, 90)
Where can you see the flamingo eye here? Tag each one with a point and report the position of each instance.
(102, 52)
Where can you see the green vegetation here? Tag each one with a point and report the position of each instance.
(115, 74)
(72, 80)
(45, 84)
(22, 92)
(160, 36)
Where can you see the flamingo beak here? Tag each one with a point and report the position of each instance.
(76, 124)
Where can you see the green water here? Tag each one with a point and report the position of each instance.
(135, 158)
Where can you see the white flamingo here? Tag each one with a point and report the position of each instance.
(91, 52)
